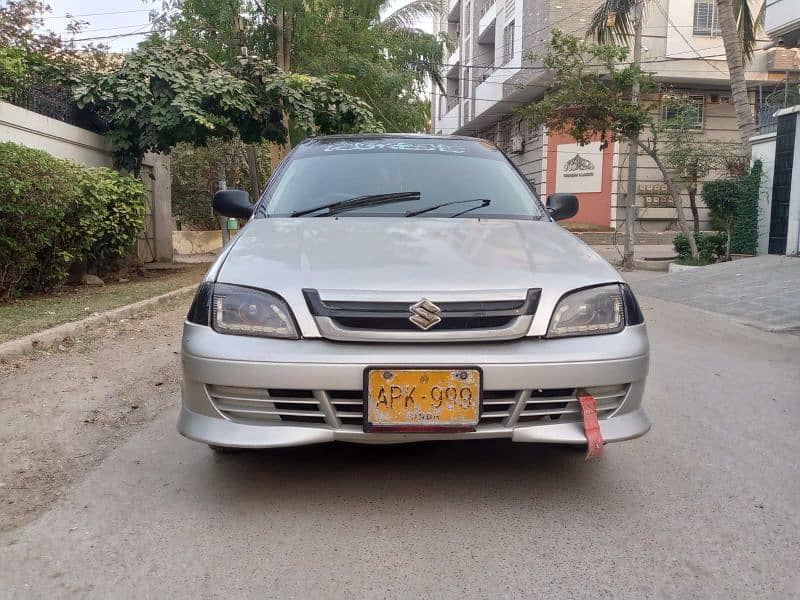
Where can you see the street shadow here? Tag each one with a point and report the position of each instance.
(433, 473)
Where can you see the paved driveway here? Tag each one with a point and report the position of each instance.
(703, 506)
(763, 291)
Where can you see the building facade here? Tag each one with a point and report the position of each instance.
(496, 68)
(778, 145)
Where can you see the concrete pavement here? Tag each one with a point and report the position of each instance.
(763, 291)
(705, 505)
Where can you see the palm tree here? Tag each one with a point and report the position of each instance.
(739, 22)
(406, 16)
(431, 49)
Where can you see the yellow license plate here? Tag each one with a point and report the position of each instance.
(422, 399)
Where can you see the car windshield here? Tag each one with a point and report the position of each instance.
(452, 178)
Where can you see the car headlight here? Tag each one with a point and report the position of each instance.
(590, 311)
(246, 311)
(236, 310)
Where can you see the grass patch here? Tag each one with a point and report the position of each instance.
(37, 312)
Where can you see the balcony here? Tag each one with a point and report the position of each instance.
(454, 10)
(490, 91)
(453, 64)
(449, 122)
(486, 25)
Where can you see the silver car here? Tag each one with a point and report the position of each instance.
(396, 288)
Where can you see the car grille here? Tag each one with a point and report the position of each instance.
(451, 321)
(346, 407)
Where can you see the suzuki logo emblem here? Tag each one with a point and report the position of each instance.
(425, 314)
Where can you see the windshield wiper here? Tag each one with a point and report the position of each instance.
(358, 202)
(484, 202)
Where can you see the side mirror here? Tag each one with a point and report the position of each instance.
(233, 203)
(562, 206)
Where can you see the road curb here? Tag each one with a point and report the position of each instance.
(49, 337)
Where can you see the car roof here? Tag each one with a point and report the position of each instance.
(398, 136)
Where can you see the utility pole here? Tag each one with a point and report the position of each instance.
(633, 150)
(222, 184)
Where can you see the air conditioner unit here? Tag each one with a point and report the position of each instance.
(783, 59)
(517, 145)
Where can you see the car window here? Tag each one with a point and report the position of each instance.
(455, 172)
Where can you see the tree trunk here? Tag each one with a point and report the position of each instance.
(676, 198)
(283, 53)
(252, 171)
(692, 190)
(733, 52)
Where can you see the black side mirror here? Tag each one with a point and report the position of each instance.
(562, 206)
(233, 203)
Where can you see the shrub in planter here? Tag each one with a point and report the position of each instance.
(711, 246)
(54, 213)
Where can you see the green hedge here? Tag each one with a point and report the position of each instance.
(734, 203)
(54, 213)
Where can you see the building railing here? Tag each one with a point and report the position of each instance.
(52, 101)
(767, 123)
(769, 102)
(485, 7)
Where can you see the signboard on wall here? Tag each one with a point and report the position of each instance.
(579, 168)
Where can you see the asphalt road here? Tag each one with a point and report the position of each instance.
(706, 505)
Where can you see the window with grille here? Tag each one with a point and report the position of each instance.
(706, 18)
(508, 42)
(692, 118)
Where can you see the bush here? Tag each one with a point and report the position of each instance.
(115, 217)
(54, 213)
(710, 246)
(733, 205)
(744, 228)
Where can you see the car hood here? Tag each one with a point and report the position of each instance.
(405, 259)
(395, 254)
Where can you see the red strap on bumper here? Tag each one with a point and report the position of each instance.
(591, 427)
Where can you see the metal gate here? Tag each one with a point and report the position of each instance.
(782, 184)
(146, 245)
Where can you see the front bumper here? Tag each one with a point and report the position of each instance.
(214, 361)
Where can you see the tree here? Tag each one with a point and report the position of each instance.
(169, 92)
(386, 63)
(739, 22)
(690, 158)
(29, 50)
(589, 99)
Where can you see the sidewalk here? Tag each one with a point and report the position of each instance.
(613, 254)
(763, 291)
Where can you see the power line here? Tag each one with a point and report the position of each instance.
(119, 35)
(113, 28)
(97, 14)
